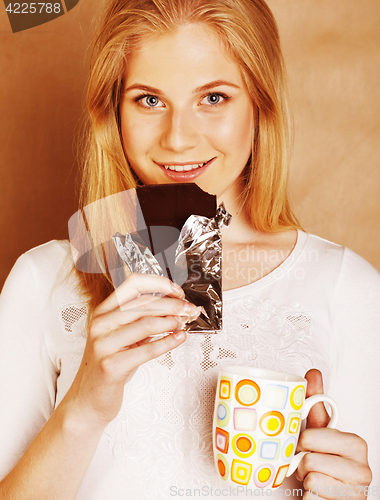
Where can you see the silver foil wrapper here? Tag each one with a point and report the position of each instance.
(197, 269)
(136, 255)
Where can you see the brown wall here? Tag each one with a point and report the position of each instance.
(332, 48)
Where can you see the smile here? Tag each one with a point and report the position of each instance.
(185, 172)
(186, 168)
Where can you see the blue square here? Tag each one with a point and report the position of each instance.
(269, 450)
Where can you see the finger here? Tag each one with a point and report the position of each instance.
(149, 339)
(133, 358)
(341, 469)
(318, 416)
(146, 305)
(322, 486)
(135, 285)
(330, 488)
(333, 442)
(134, 333)
(159, 303)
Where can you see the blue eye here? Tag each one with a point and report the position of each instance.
(151, 100)
(148, 101)
(216, 98)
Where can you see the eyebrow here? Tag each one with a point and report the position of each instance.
(203, 88)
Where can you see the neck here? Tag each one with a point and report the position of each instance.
(240, 229)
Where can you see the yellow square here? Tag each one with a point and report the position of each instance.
(293, 424)
(241, 472)
(225, 388)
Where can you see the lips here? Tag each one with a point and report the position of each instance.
(185, 171)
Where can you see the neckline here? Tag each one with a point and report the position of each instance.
(280, 270)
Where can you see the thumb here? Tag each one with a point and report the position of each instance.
(318, 416)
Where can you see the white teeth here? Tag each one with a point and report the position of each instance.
(181, 168)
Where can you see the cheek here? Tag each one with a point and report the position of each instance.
(133, 139)
(138, 135)
(232, 134)
(242, 131)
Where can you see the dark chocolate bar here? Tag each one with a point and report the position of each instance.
(172, 204)
(164, 209)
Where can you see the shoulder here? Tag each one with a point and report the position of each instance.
(354, 286)
(338, 260)
(333, 274)
(48, 253)
(44, 268)
(47, 260)
(321, 251)
(348, 263)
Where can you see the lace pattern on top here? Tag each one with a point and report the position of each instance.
(71, 315)
(74, 319)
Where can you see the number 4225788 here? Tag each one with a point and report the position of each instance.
(33, 8)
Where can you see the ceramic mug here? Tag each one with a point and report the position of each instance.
(257, 421)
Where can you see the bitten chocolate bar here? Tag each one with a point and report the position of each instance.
(182, 240)
(172, 204)
(164, 209)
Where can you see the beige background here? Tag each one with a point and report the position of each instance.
(332, 48)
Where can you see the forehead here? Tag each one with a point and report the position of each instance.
(193, 52)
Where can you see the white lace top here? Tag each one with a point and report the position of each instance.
(320, 308)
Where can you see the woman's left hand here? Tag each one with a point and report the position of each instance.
(337, 466)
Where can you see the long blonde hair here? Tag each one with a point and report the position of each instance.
(250, 34)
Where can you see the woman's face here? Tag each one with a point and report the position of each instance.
(186, 115)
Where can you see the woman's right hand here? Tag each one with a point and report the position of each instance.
(118, 342)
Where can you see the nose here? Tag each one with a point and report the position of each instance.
(180, 131)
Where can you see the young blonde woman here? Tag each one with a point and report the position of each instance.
(89, 409)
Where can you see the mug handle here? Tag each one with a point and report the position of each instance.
(307, 406)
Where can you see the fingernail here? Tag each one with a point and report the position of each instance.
(179, 335)
(181, 322)
(187, 308)
(177, 289)
(196, 313)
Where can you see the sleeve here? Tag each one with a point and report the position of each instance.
(355, 383)
(27, 374)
